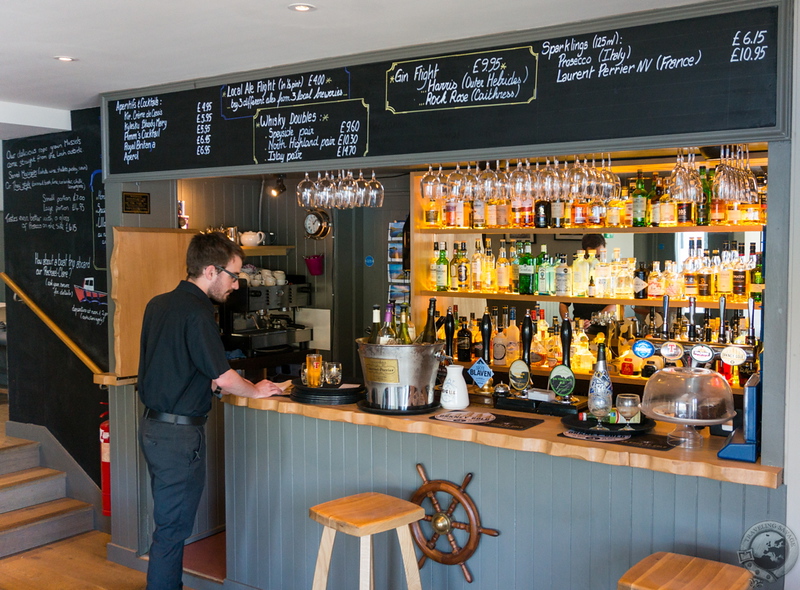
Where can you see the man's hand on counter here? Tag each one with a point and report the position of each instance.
(231, 382)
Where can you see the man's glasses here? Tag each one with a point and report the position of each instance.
(227, 272)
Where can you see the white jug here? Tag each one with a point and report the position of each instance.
(252, 238)
(454, 389)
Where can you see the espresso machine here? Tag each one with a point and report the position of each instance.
(260, 320)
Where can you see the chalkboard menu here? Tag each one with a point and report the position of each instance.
(701, 74)
(55, 228)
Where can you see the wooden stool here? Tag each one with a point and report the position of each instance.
(672, 571)
(363, 515)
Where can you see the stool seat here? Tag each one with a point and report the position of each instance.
(673, 571)
(364, 515)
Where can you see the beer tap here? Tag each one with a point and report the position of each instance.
(751, 326)
(722, 338)
(665, 318)
(692, 327)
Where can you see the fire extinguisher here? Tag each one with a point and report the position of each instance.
(105, 464)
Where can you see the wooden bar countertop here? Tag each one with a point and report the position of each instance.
(542, 438)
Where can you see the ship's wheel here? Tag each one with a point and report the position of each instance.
(443, 522)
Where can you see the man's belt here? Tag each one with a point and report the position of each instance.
(175, 418)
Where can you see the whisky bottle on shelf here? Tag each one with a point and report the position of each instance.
(503, 270)
(430, 188)
(690, 272)
(476, 269)
(463, 269)
(514, 260)
(453, 268)
(432, 267)
(489, 270)
(442, 269)
(478, 203)
(526, 263)
(654, 206)
(640, 200)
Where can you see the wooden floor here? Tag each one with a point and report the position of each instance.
(77, 563)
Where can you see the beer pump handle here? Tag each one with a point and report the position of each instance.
(692, 327)
(751, 325)
(665, 319)
(722, 339)
(566, 340)
(526, 338)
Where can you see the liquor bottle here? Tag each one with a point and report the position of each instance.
(668, 208)
(430, 189)
(503, 197)
(489, 269)
(449, 332)
(580, 275)
(654, 206)
(478, 205)
(528, 196)
(464, 342)
(757, 279)
(514, 259)
(640, 282)
(432, 267)
(453, 268)
(690, 272)
(684, 203)
(724, 284)
(558, 213)
(705, 277)
(487, 181)
(526, 280)
(673, 280)
(718, 214)
(563, 278)
(476, 268)
(741, 287)
(387, 334)
(376, 324)
(542, 211)
(640, 200)
(462, 269)
(512, 333)
(475, 332)
(602, 277)
(428, 334)
(591, 289)
(600, 388)
(655, 282)
(703, 213)
(615, 211)
(403, 336)
(518, 181)
(503, 270)
(442, 269)
(486, 336)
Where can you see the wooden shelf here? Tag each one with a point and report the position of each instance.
(542, 438)
(585, 230)
(702, 304)
(267, 250)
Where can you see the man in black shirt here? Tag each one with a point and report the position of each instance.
(182, 363)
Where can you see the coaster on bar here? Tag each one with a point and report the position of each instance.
(657, 442)
(499, 421)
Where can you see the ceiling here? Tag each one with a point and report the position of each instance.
(122, 45)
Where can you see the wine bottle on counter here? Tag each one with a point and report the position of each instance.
(600, 388)
(428, 334)
(376, 324)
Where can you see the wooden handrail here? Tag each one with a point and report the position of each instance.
(52, 325)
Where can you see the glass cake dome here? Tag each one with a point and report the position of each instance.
(688, 397)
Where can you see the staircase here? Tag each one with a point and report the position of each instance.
(34, 509)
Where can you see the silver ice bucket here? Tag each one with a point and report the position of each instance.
(399, 376)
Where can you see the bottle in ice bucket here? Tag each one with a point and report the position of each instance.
(387, 334)
(376, 324)
(428, 335)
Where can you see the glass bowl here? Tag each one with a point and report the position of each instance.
(688, 397)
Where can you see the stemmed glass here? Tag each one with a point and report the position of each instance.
(361, 198)
(599, 407)
(305, 193)
(326, 190)
(627, 407)
(374, 192)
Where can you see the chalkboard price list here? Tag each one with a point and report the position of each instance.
(486, 78)
(203, 128)
(338, 129)
(749, 46)
(143, 125)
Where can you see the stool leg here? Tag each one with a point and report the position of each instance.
(324, 559)
(409, 558)
(365, 578)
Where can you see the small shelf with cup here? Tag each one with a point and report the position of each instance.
(267, 250)
(701, 303)
(583, 230)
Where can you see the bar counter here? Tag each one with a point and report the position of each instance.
(542, 438)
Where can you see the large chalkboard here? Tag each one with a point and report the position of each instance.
(54, 218)
(701, 74)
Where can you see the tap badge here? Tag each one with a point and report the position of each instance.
(769, 550)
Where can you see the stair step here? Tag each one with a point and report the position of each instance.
(31, 486)
(17, 455)
(44, 523)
